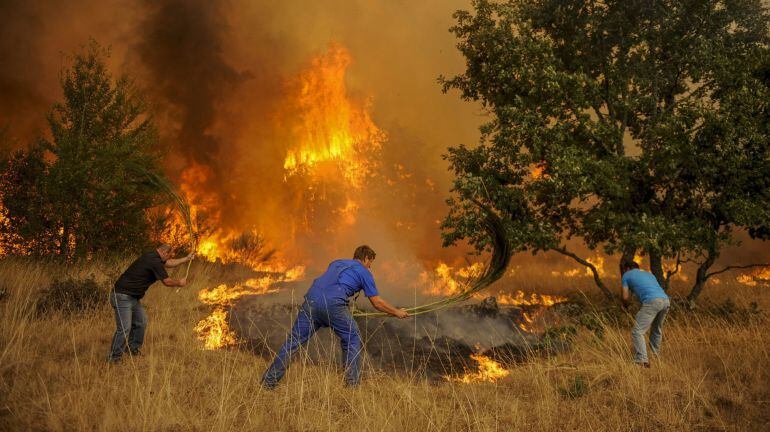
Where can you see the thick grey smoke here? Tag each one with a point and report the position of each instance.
(183, 51)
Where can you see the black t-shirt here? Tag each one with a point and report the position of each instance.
(142, 273)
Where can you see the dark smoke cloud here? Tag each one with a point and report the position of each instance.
(183, 52)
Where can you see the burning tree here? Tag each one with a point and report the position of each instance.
(81, 192)
(633, 127)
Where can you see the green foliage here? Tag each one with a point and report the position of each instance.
(72, 296)
(629, 126)
(556, 336)
(84, 190)
(594, 323)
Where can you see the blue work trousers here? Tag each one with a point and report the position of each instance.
(130, 323)
(313, 316)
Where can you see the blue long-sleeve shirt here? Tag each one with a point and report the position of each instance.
(341, 281)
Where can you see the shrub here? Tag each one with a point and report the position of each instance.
(72, 296)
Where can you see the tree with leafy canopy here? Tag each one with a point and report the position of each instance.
(83, 191)
(630, 126)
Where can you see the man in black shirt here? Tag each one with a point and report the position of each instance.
(130, 318)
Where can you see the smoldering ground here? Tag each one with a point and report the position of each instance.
(433, 346)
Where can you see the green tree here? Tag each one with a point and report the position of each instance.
(83, 191)
(610, 122)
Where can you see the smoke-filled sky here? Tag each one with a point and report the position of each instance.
(220, 75)
(216, 73)
(195, 57)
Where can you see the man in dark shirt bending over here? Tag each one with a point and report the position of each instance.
(130, 318)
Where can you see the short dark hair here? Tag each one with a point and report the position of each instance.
(628, 265)
(164, 247)
(364, 252)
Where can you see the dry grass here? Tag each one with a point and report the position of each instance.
(713, 376)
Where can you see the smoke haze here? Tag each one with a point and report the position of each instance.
(220, 75)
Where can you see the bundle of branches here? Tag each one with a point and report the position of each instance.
(494, 270)
(161, 183)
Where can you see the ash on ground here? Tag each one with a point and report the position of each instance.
(432, 345)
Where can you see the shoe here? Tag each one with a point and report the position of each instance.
(135, 352)
(645, 365)
(267, 386)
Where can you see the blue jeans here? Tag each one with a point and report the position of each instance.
(650, 317)
(313, 316)
(131, 322)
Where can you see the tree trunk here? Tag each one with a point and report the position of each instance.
(656, 268)
(701, 277)
(628, 255)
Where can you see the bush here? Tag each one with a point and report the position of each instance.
(72, 296)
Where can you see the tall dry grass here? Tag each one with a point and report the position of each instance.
(713, 376)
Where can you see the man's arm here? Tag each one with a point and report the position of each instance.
(175, 262)
(383, 306)
(625, 296)
(174, 282)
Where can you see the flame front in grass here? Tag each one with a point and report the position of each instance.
(488, 370)
(527, 322)
(755, 277)
(214, 330)
(519, 298)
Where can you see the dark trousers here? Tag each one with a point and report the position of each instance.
(131, 322)
(312, 317)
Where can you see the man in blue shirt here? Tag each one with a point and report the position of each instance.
(326, 305)
(655, 304)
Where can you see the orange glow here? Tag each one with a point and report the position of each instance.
(537, 171)
(447, 281)
(488, 370)
(755, 277)
(584, 271)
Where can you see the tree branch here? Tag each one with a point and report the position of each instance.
(592, 267)
(728, 268)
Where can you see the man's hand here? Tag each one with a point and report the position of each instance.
(174, 282)
(401, 314)
(383, 306)
(190, 257)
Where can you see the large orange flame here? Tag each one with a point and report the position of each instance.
(331, 127)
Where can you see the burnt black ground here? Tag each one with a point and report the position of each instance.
(431, 345)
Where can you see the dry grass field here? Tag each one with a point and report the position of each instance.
(53, 377)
